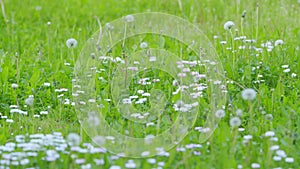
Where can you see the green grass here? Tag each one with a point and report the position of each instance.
(33, 52)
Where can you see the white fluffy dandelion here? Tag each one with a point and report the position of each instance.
(278, 42)
(29, 101)
(144, 45)
(74, 139)
(220, 113)
(248, 94)
(235, 122)
(71, 43)
(228, 25)
(14, 85)
(255, 165)
(129, 18)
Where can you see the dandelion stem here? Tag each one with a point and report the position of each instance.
(251, 117)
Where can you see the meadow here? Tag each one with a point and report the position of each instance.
(44, 43)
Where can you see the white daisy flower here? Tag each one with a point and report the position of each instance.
(71, 43)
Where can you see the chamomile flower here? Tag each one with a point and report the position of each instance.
(71, 43)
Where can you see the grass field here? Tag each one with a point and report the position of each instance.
(39, 124)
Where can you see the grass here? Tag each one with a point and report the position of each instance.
(33, 51)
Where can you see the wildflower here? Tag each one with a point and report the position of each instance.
(151, 160)
(109, 27)
(130, 164)
(274, 147)
(228, 25)
(278, 42)
(73, 139)
(144, 45)
(223, 42)
(286, 70)
(248, 94)
(289, 160)
(14, 85)
(71, 43)
(46, 84)
(239, 112)
(235, 122)
(114, 167)
(38, 8)
(129, 18)
(277, 158)
(99, 140)
(149, 139)
(248, 137)
(29, 100)
(281, 153)
(294, 75)
(255, 165)
(52, 155)
(220, 113)
(99, 161)
(244, 14)
(269, 117)
(152, 59)
(270, 134)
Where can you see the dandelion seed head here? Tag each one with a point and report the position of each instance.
(235, 122)
(278, 42)
(14, 85)
(248, 94)
(129, 18)
(144, 45)
(220, 113)
(228, 25)
(71, 43)
(29, 101)
(74, 139)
